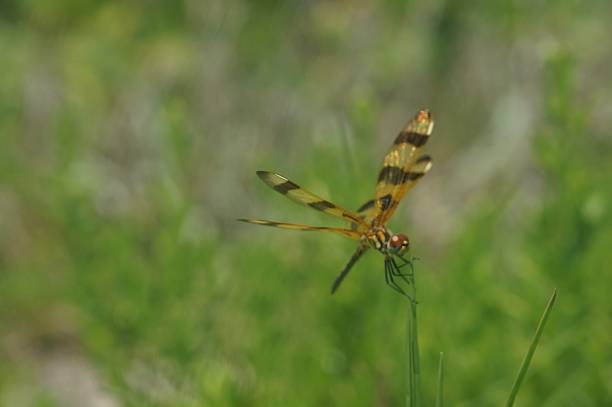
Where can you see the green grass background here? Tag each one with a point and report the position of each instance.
(129, 137)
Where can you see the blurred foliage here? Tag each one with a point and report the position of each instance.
(129, 134)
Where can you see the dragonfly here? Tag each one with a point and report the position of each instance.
(403, 166)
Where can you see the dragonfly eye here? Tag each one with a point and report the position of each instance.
(399, 243)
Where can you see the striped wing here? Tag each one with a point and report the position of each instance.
(291, 226)
(368, 211)
(298, 194)
(401, 169)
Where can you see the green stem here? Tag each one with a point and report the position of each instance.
(534, 343)
(440, 389)
(413, 398)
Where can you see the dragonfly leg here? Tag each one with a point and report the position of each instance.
(392, 271)
(389, 278)
(406, 276)
(409, 263)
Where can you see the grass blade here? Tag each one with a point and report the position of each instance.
(414, 374)
(531, 351)
(413, 396)
(440, 388)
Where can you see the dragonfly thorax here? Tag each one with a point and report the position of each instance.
(386, 242)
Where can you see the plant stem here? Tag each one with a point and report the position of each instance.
(531, 351)
(440, 389)
(413, 398)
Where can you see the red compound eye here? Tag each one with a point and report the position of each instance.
(398, 241)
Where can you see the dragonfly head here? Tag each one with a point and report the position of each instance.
(398, 244)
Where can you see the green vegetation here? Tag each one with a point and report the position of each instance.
(440, 387)
(129, 137)
(532, 347)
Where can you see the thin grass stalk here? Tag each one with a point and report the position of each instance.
(413, 398)
(440, 387)
(532, 347)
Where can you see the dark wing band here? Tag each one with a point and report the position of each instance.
(401, 169)
(298, 194)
